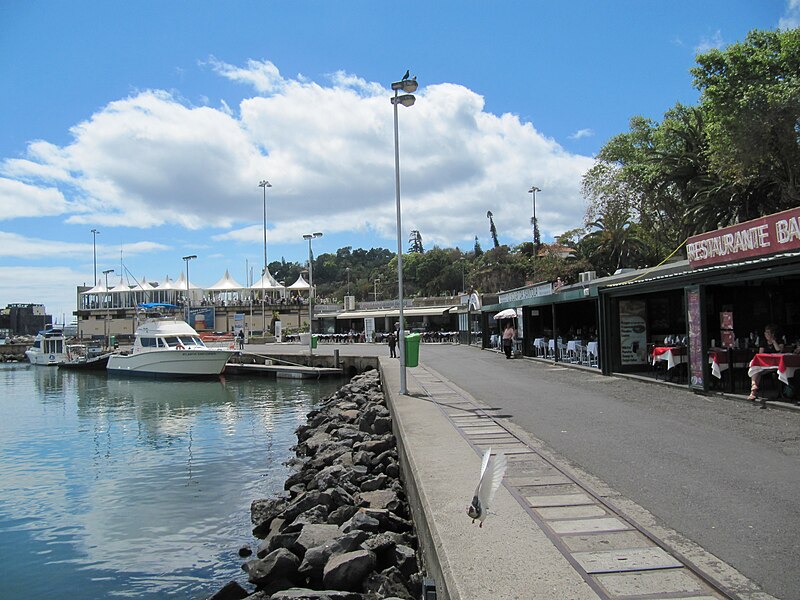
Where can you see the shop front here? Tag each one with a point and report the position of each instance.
(700, 322)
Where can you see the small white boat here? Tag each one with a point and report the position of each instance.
(48, 348)
(168, 347)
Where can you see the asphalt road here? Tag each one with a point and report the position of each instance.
(722, 472)
(719, 471)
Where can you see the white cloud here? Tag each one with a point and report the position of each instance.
(42, 285)
(791, 17)
(582, 133)
(13, 245)
(706, 44)
(151, 159)
(19, 199)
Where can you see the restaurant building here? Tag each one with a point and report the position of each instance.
(696, 321)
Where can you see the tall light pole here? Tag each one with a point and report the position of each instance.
(264, 184)
(188, 297)
(535, 226)
(309, 237)
(375, 288)
(409, 86)
(348, 280)
(94, 254)
(108, 310)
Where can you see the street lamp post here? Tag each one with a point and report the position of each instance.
(407, 99)
(535, 226)
(309, 237)
(188, 297)
(348, 280)
(94, 254)
(108, 308)
(264, 184)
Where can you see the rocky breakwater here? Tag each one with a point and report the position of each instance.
(343, 529)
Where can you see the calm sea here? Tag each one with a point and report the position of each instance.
(136, 488)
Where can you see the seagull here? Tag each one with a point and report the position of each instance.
(492, 471)
(406, 75)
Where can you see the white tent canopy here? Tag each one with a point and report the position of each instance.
(98, 289)
(266, 282)
(226, 284)
(300, 284)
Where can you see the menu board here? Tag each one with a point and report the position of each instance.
(696, 355)
(633, 332)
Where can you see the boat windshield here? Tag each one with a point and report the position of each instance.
(174, 341)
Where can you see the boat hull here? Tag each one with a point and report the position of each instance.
(170, 363)
(44, 359)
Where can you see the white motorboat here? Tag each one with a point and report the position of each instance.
(168, 347)
(48, 348)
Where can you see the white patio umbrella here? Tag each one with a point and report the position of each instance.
(508, 313)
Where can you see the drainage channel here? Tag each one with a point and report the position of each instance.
(618, 558)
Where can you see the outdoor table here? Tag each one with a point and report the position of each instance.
(556, 352)
(673, 355)
(719, 360)
(540, 345)
(592, 352)
(573, 349)
(784, 364)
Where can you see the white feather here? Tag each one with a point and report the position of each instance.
(492, 470)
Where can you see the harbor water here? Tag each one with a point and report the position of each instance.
(112, 487)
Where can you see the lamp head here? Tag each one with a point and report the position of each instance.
(405, 100)
(534, 189)
(190, 257)
(264, 184)
(107, 271)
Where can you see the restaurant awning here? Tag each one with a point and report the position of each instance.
(424, 311)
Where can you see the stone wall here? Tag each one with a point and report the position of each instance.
(343, 529)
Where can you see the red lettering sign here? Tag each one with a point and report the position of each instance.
(768, 235)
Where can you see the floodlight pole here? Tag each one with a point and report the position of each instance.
(409, 86)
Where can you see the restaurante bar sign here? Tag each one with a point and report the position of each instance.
(768, 235)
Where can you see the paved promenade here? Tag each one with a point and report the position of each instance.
(558, 529)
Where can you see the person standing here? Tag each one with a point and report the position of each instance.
(509, 333)
(391, 339)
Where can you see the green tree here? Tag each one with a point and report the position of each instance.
(415, 242)
(750, 96)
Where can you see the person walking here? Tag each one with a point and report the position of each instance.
(391, 339)
(509, 333)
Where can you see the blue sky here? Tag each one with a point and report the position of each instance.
(153, 122)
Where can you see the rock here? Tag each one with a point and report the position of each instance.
(375, 483)
(263, 511)
(275, 541)
(360, 521)
(306, 594)
(347, 571)
(315, 558)
(280, 564)
(314, 535)
(377, 498)
(341, 514)
(230, 591)
(387, 583)
(405, 559)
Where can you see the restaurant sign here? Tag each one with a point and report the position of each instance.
(768, 235)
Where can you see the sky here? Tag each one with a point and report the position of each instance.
(153, 122)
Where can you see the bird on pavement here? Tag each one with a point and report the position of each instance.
(492, 470)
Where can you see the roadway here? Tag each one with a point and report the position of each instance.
(710, 471)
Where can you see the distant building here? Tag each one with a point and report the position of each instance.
(25, 319)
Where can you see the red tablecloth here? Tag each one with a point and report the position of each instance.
(674, 355)
(784, 364)
(718, 359)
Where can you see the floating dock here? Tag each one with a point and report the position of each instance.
(284, 371)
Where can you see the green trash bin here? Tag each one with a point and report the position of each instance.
(412, 349)
(314, 341)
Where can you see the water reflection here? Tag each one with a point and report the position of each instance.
(136, 487)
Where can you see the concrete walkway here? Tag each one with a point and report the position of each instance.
(554, 531)
(550, 535)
